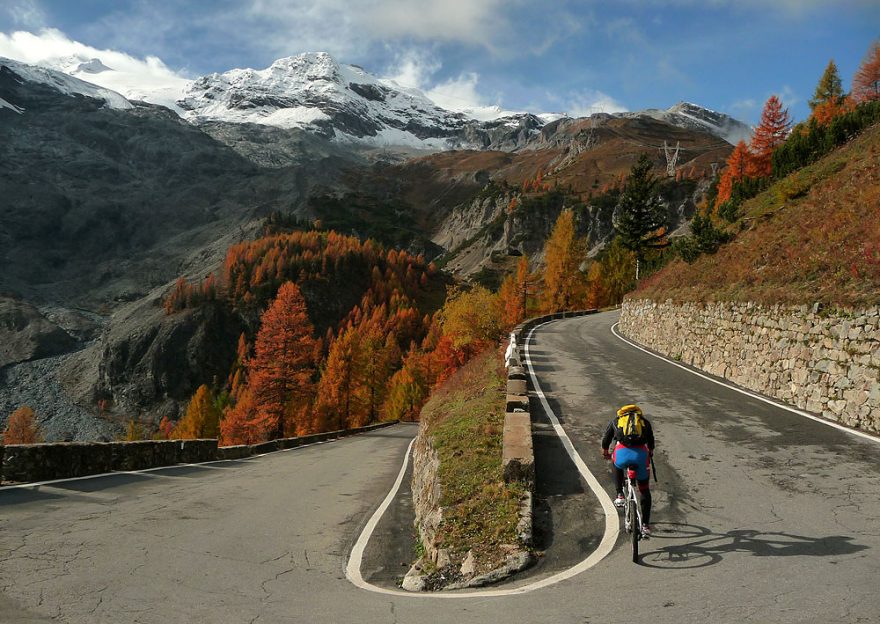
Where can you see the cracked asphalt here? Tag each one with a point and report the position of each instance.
(760, 516)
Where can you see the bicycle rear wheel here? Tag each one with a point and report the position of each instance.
(635, 528)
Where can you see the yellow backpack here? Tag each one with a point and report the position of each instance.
(630, 425)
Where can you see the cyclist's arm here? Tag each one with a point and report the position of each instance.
(608, 436)
(649, 436)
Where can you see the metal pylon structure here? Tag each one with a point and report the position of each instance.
(671, 158)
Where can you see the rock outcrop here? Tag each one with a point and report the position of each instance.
(26, 334)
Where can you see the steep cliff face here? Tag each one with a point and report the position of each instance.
(479, 235)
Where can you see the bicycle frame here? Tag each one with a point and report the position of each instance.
(632, 517)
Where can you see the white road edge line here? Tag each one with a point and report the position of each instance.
(753, 395)
(612, 522)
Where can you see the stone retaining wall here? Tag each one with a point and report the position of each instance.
(426, 493)
(822, 362)
(23, 463)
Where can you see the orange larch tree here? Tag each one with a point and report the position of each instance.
(202, 418)
(596, 289)
(738, 164)
(22, 427)
(513, 295)
(238, 424)
(280, 375)
(770, 134)
(340, 381)
(866, 81)
(563, 253)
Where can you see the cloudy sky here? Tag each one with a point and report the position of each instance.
(573, 56)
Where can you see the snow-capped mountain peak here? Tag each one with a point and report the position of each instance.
(313, 91)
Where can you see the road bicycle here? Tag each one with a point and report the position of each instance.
(632, 512)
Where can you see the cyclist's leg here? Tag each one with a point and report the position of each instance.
(618, 472)
(645, 492)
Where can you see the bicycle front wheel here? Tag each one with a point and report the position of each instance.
(636, 529)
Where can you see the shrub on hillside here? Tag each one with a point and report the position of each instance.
(705, 238)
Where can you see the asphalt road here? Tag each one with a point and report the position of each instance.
(761, 515)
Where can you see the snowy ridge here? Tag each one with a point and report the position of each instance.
(66, 83)
(694, 117)
(343, 103)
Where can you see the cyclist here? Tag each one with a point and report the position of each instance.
(635, 446)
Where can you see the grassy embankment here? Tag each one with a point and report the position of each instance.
(812, 236)
(465, 418)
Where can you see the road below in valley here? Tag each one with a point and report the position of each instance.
(760, 515)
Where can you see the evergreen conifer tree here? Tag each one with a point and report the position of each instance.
(640, 216)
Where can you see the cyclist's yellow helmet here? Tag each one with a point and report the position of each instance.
(629, 409)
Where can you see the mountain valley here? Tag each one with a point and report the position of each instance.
(107, 201)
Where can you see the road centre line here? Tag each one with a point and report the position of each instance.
(612, 522)
(793, 410)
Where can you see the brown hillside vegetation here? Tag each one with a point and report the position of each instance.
(442, 180)
(812, 236)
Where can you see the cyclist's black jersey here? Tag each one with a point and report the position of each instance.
(647, 437)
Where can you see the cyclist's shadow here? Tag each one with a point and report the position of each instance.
(696, 547)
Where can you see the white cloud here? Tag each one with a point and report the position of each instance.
(26, 13)
(586, 103)
(458, 93)
(348, 28)
(476, 22)
(415, 69)
(148, 78)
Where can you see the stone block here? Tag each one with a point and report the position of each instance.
(517, 455)
(516, 402)
(239, 451)
(288, 443)
(197, 451)
(265, 447)
(132, 455)
(516, 372)
(166, 453)
(517, 386)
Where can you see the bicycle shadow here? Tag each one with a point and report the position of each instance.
(704, 548)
